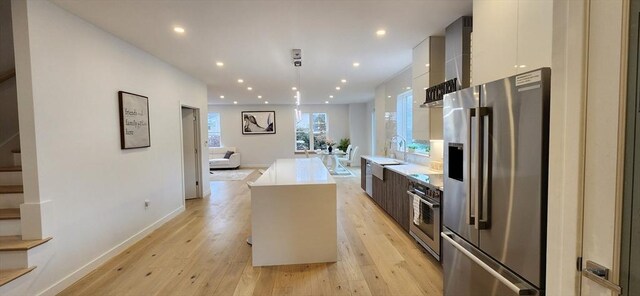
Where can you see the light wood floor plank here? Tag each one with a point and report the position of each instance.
(203, 252)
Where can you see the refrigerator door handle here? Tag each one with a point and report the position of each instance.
(481, 222)
(515, 287)
(467, 171)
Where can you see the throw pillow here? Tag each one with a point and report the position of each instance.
(228, 154)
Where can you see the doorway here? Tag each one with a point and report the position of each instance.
(191, 164)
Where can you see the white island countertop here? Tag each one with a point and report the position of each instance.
(297, 171)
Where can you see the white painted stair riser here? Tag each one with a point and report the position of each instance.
(17, 159)
(11, 200)
(10, 227)
(10, 178)
(14, 259)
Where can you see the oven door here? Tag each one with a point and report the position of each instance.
(425, 222)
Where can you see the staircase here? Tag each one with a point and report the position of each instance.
(13, 249)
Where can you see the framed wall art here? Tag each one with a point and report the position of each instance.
(134, 121)
(258, 122)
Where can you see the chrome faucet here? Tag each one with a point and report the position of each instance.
(403, 146)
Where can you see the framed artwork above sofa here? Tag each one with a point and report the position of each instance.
(258, 122)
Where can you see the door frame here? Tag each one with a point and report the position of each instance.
(632, 159)
(198, 141)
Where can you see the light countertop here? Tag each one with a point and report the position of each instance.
(382, 160)
(408, 169)
(297, 171)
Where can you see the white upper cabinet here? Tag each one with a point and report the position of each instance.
(510, 37)
(494, 41)
(420, 64)
(427, 71)
(535, 28)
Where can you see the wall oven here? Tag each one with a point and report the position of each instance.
(424, 215)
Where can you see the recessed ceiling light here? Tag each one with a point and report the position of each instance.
(235, 102)
(240, 81)
(337, 88)
(389, 97)
(249, 88)
(266, 102)
(381, 32)
(343, 81)
(294, 88)
(426, 65)
(408, 87)
(259, 97)
(523, 66)
(178, 29)
(219, 64)
(330, 97)
(326, 102)
(356, 64)
(222, 97)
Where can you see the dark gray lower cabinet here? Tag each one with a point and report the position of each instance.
(396, 201)
(391, 195)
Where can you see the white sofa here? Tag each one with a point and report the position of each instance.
(217, 160)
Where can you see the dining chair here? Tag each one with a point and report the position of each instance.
(347, 155)
(349, 161)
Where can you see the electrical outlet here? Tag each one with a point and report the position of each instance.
(147, 203)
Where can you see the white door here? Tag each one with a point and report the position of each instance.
(189, 148)
(604, 146)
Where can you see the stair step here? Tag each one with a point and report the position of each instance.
(15, 151)
(11, 169)
(10, 214)
(15, 243)
(8, 275)
(6, 189)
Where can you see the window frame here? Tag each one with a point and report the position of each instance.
(311, 132)
(404, 118)
(209, 132)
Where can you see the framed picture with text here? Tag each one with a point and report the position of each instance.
(134, 121)
(258, 122)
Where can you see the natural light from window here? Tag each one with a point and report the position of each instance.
(214, 130)
(311, 126)
(404, 118)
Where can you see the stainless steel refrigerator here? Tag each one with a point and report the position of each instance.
(495, 186)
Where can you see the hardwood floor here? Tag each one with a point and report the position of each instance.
(203, 252)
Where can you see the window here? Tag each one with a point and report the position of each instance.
(311, 131)
(214, 130)
(404, 117)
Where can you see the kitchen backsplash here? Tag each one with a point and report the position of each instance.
(433, 160)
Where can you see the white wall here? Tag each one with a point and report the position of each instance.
(262, 150)
(359, 119)
(91, 193)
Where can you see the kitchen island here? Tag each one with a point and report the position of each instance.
(293, 214)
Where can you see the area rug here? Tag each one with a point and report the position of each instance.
(230, 175)
(341, 171)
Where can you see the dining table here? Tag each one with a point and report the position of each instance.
(331, 157)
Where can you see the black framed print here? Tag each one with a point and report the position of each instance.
(134, 121)
(258, 122)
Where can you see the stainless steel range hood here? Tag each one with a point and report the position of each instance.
(457, 66)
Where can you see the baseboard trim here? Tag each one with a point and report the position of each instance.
(95, 263)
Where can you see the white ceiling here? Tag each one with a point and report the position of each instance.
(254, 39)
